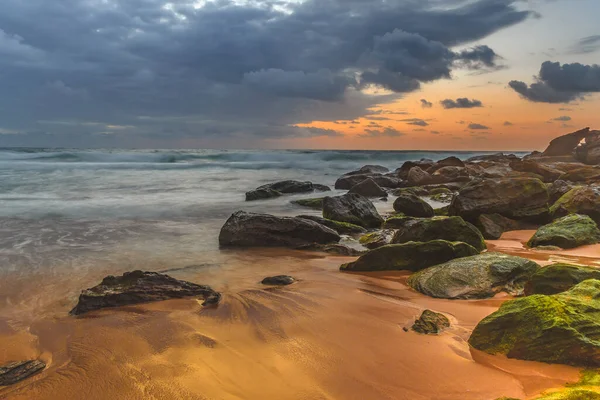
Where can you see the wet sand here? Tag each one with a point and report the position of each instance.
(332, 335)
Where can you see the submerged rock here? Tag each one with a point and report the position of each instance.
(368, 188)
(412, 256)
(290, 186)
(579, 200)
(352, 208)
(314, 203)
(16, 371)
(343, 228)
(245, 229)
(492, 226)
(477, 277)
(453, 229)
(262, 194)
(279, 280)
(563, 328)
(411, 205)
(139, 287)
(431, 323)
(558, 278)
(377, 239)
(567, 233)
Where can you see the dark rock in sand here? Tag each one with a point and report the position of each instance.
(139, 287)
(557, 278)
(368, 188)
(377, 239)
(431, 323)
(262, 194)
(352, 208)
(453, 229)
(337, 249)
(565, 145)
(343, 228)
(412, 206)
(548, 174)
(558, 189)
(517, 198)
(16, 371)
(314, 203)
(244, 229)
(492, 226)
(477, 277)
(412, 256)
(279, 280)
(563, 328)
(567, 233)
(418, 177)
(579, 200)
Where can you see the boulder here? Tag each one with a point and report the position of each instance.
(279, 280)
(321, 188)
(558, 189)
(289, 187)
(567, 233)
(352, 208)
(418, 177)
(565, 145)
(492, 226)
(547, 173)
(371, 169)
(477, 277)
(589, 151)
(368, 188)
(16, 371)
(431, 323)
(411, 256)
(560, 277)
(262, 194)
(343, 228)
(441, 195)
(579, 200)
(140, 287)
(453, 229)
(516, 198)
(314, 203)
(403, 171)
(450, 174)
(562, 328)
(376, 239)
(397, 222)
(337, 249)
(412, 206)
(584, 174)
(244, 229)
(346, 182)
(449, 162)
(496, 158)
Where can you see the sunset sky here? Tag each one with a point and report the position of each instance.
(339, 74)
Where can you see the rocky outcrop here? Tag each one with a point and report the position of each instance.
(547, 173)
(579, 200)
(563, 328)
(565, 145)
(376, 239)
(16, 371)
(431, 323)
(412, 256)
(343, 228)
(411, 205)
(589, 151)
(140, 287)
(557, 278)
(279, 280)
(477, 277)
(368, 188)
(492, 226)
(245, 229)
(516, 198)
(453, 229)
(314, 203)
(567, 233)
(352, 208)
(283, 187)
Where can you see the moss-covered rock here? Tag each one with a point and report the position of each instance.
(563, 328)
(567, 232)
(343, 228)
(476, 277)
(558, 278)
(314, 203)
(453, 229)
(377, 239)
(442, 211)
(411, 256)
(579, 200)
(352, 208)
(431, 323)
(397, 221)
(412, 206)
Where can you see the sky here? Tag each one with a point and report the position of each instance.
(315, 74)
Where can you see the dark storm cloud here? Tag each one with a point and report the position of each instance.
(224, 68)
(558, 83)
(426, 104)
(478, 126)
(462, 102)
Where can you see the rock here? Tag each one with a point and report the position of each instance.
(368, 188)
(565, 145)
(244, 229)
(279, 280)
(558, 189)
(560, 277)
(262, 194)
(517, 198)
(497, 157)
(343, 228)
(16, 371)
(139, 287)
(450, 162)
(431, 323)
(418, 177)
(352, 208)
(547, 173)
(314, 203)
(567, 233)
(450, 174)
(442, 211)
(377, 239)
(492, 226)
(589, 151)
(412, 206)
(289, 187)
(579, 200)
(337, 249)
(563, 328)
(452, 229)
(373, 169)
(321, 188)
(403, 171)
(585, 174)
(346, 182)
(417, 191)
(397, 222)
(412, 256)
(477, 277)
(441, 195)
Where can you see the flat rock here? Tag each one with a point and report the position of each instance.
(560, 277)
(139, 287)
(567, 233)
(16, 371)
(279, 280)
(352, 208)
(412, 206)
(431, 323)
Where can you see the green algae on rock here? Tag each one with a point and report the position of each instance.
(376, 239)
(352, 208)
(579, 200)
(567, 232)
(558, 278)
(476, 277)
(343, 228)
(563, 328)
(453, 229)
(411, 256)
(314, 203)
(431, 323)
